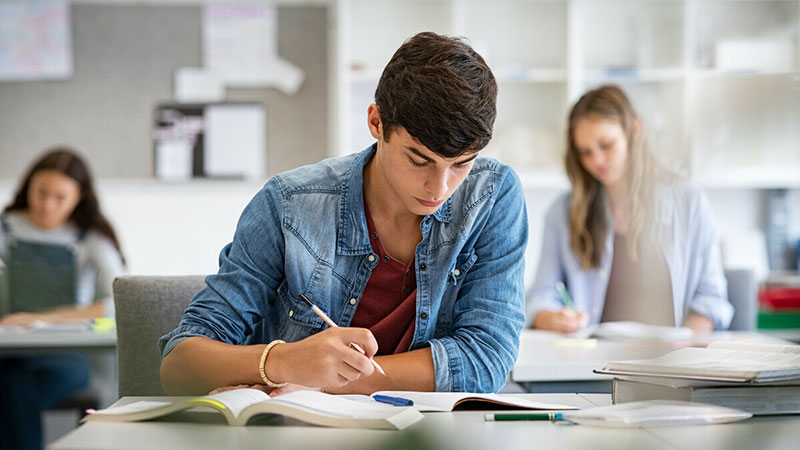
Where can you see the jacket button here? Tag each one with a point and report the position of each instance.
(422, 266)
(371, 258)
(456, 272)
(352, 301)
(423, 315)
(291, 312)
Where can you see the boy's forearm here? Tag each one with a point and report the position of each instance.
(198, 365)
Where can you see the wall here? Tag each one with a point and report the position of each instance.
(124, 61)
(172, 229)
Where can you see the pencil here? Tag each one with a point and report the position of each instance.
(332, 324)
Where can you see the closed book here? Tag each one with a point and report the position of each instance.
(742, 362)
(755, 399)
(239, 406)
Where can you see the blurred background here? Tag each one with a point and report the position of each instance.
(184, 108)
(716, 82)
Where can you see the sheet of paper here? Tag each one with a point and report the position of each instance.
(195, 85)
(240, 45)
(174, 160)
(35, 40)
(235, 141)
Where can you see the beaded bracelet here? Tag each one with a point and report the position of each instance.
(261, 370)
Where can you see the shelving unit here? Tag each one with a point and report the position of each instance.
(717, 82)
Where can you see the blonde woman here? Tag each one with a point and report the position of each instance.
(631, 241)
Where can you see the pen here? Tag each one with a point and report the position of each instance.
(332, 324)
(562, 291)
(552, 417)
(396, 401)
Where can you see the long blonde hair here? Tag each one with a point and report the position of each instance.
(588, 224)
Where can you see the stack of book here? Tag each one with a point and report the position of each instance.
(779, 302)
(757, 378)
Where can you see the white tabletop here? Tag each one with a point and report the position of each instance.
(20, 339)
(460, 430)
(552, 357)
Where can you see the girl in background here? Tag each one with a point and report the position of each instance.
(58, 258)
(631, 241)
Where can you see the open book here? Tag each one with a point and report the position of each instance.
(240, 405)
(452, 401)
(635, 331)
(721, 361)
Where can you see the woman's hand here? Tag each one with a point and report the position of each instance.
(565, 320)
(699, 323)
(20, 319)
(323, 359)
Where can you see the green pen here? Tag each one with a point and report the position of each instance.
(552, 417)
(562, 291)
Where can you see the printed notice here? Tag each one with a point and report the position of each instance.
(35, 40)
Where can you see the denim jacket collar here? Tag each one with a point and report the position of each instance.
(353, 236)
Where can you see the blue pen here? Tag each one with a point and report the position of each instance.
(396, 401)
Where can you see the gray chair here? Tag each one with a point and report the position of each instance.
(742, 290)
(147, 307)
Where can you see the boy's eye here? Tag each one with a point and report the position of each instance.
(415, 163)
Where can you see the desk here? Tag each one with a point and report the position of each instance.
(552, 362)
(99, 346)
(460, 430)
(21, 341)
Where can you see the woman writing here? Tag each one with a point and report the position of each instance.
(631, 241)
(58, 258)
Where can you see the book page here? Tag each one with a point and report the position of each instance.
(629, 330)
(711, 361)
(235, 400)
(754, 347)
(655, 413)
(446, 401)
(336, 406)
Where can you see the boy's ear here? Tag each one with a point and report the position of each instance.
(374, 121)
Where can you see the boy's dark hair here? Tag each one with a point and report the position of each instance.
(441, 91)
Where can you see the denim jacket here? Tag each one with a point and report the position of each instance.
(684, 230)
(306, 232)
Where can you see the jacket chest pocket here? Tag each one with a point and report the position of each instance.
(297, 320)
(459, 269)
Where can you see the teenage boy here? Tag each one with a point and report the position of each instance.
(413, 246)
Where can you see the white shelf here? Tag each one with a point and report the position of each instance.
(553, 178)
(510, 75)
(706, 121)
(620, 74)
(760, 177)
(727, 73)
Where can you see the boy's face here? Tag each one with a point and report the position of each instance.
(419, 178)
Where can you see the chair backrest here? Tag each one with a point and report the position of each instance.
(147, 307)
(742, 292)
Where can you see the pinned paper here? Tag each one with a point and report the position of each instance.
(240, 45)
(196, 85)
(35, 40)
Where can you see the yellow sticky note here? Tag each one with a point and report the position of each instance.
(103, 324)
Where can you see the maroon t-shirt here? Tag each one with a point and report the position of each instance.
(388, 305)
